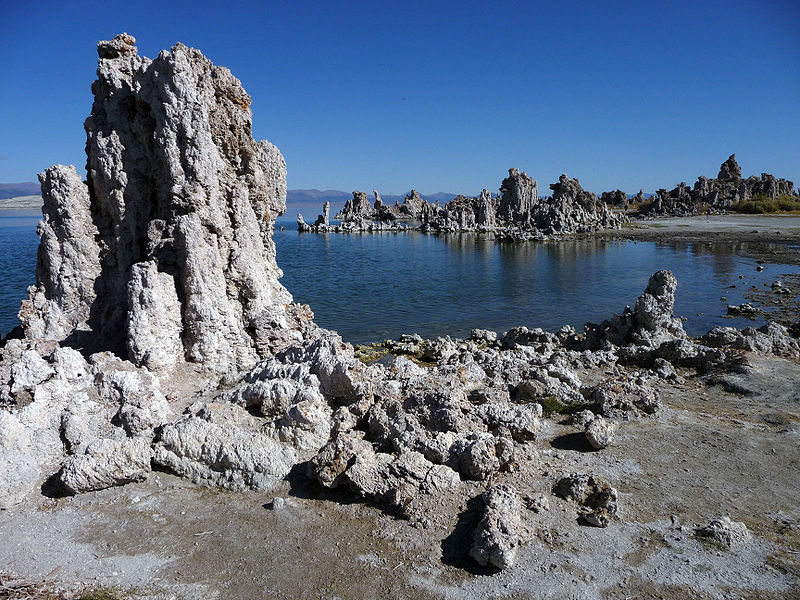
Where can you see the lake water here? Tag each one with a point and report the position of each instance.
(375, 286)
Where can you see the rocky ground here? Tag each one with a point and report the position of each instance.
(709, 453)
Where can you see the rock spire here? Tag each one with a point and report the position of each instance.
(166, 253)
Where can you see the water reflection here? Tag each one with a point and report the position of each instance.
(371, 286)
(376, 285)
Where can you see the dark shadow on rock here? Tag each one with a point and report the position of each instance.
(301, 486)
(15, 334)
(572, 441)
(53, 488)
(455, 547)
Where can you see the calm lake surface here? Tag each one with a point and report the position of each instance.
(375, 286)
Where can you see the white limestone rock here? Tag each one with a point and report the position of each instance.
(19, 469)
(497, 537)
(167, 254)
(600, 432)
(154, 318)
(731, 534)
(68, 259)
(222, 445)
(105, 463)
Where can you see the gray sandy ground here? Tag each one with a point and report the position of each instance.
(773, 238)
(711, 453)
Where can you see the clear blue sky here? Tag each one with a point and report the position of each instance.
(442, 96)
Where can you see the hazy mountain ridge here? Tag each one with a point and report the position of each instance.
(24, 188)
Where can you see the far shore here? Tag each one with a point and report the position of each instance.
(21, 203)
(750, 232)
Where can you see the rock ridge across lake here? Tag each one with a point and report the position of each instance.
(516, 214)
(716, 195)
(158, 338)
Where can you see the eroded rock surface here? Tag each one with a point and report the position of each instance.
(181, 202)
(501, 530)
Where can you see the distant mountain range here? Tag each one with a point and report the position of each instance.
(12, 190)
(294, 198)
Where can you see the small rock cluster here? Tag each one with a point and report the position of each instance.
(715, 195)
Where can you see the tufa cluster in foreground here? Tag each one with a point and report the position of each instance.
(158, 335)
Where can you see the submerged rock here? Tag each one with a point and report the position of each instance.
(649, 324)
(516, 214)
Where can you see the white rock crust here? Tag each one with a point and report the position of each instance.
(68, 259)
(220, 444)
(500, 532)
(600, 432)
(106, 463)
(19, 469)
(154, 318)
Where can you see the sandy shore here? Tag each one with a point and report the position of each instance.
(32, 203)
(773, 238)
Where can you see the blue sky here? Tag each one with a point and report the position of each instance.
(442, 96)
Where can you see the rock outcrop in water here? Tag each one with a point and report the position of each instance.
(716, 195)
(516, 214)
(158, 292)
